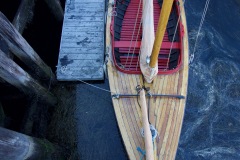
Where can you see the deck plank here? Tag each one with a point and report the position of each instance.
(81, 53)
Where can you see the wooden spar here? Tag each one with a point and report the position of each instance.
(19, 46)
(146, 127)
(162, 24)
(23, 15)
(16, 76)
(147, 39)
(15, 146)
(56, 8)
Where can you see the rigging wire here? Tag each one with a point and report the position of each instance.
(199, 29)
(133, 33)
(139, 28)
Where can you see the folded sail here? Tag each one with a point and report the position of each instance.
(147, 41)
(149, 70)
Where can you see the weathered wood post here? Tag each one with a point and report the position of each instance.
(5, 49)
(56, 8)
(15, 146)
(23, 15)
(2, 115)
(27, 127)
(19, 46)
(3, 45)
(16, 76)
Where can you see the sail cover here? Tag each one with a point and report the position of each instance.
(147, 41)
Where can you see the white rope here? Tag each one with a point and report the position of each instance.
(95, 86)
(112, 13)
(199, 29)
(64, 70)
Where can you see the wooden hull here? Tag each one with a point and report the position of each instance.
(165, 114)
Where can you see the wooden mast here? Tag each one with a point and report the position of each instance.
(162, 24)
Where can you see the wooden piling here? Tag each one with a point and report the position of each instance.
(56, 8)
(4, 47)
(2, 115)
(16, 146)
(19, 46)
(27, 127)
(16, 76)
(24, 15)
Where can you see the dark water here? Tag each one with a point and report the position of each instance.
(211, 127)
(98, 134)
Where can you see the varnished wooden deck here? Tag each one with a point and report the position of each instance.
(166, 114)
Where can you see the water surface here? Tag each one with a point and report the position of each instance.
(211, 124)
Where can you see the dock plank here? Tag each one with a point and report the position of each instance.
(80, 23)
(77, 19)
(87, 56)
(76, 29)
(82, 40)
(84, 34)
(77, 50)
(81, 53)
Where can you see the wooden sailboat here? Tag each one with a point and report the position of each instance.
(148, 86)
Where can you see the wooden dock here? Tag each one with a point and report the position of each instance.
(81, 54)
